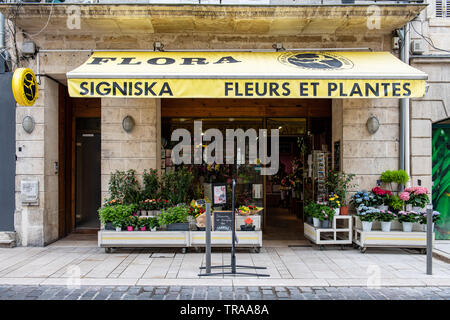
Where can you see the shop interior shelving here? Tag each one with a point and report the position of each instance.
(340, 232)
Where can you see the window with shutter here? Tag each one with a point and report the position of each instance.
(442, 8)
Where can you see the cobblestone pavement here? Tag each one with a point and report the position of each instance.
(221, 293)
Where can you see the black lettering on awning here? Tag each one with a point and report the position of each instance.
(228, 59)
(100, 60)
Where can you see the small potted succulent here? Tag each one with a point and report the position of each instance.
(407, 218)
(248, 226)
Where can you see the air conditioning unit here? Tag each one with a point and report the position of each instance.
(418, 46)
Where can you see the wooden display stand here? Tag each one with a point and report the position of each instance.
(184, 239)
(340, 232)
(396, 238)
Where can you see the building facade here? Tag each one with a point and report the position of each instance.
(67, 34)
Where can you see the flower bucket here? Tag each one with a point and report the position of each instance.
(424, 227)
(336, 211)
(343, 211)
(407, 226)
(326, 224)
(416, 209)
(386, 226)
(129, 228)
(367, 225)
(385, 208)
(316, 222)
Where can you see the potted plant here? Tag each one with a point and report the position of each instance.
(325, 215)
(418, 198)
(340, 183)
(142, 223)
(130, 223)
(151, 183)
(175, 218)
(334, 202)
(400, 177)
(153, 223)
(422, 218)
(363, 197)
(395, 203)
(381, 198)
(309, 213)
(407, 218)
(385, 217)
(110, 213)
(367, 215)
(248, 226)
(118, 224)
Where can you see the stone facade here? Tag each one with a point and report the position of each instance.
(364, 154)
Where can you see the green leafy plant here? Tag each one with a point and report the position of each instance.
(400, 177)
(151, 184)
(178, 214)
(116, 213)
(395, 203)
(339, 183)
(311, 209)
(131, 221)
(324, 213)
(408, 216)
(124, 187)
(153, 222)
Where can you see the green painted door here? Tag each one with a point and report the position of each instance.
(441, 178)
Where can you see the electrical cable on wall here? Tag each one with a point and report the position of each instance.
(428, 39)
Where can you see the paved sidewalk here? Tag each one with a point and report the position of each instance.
(221, 293)
(66, 262)
(442, 250)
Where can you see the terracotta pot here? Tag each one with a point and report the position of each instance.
(344, 211)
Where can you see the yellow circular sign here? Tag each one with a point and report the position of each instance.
(24, 86)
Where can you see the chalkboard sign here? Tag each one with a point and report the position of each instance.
(223, 221)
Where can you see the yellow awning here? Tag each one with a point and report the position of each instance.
(246, 75)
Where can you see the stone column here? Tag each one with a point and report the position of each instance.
(364, 154)
(37, 153)
(141, 148)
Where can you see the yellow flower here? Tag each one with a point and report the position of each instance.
(331, 199)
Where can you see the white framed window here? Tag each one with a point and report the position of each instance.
(442, 8)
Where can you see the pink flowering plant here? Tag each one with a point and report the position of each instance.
(422, 217)
(407, 216)
(381, 196)
(418, 196)
(386, 216)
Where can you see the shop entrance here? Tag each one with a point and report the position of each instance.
(304, 126)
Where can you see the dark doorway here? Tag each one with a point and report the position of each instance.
(87, 183)
(8, 154)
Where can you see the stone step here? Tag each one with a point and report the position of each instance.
(8, 243)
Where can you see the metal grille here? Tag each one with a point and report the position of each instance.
(443, 8)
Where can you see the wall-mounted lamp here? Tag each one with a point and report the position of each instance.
(28, 124)
(372, 124)
(128, 124)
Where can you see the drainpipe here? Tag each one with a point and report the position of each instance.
(404, 108)
(2, 41)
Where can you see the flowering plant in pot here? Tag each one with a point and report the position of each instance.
(131, 222)
(381, 198)
(118, 223)
(363, 197)
(407, 218)
(385, 217)
(152, 223)
(340, 183)
(334, 202)
(142, 224)
(248, 226)
(418, 197)
(422, 219)
(367, 215)
(325, 214)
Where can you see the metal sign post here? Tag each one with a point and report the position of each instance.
(208, 238)
(430, 239)
(232, 265)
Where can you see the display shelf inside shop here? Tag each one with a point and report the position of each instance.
(340, 232)
(396, 238)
